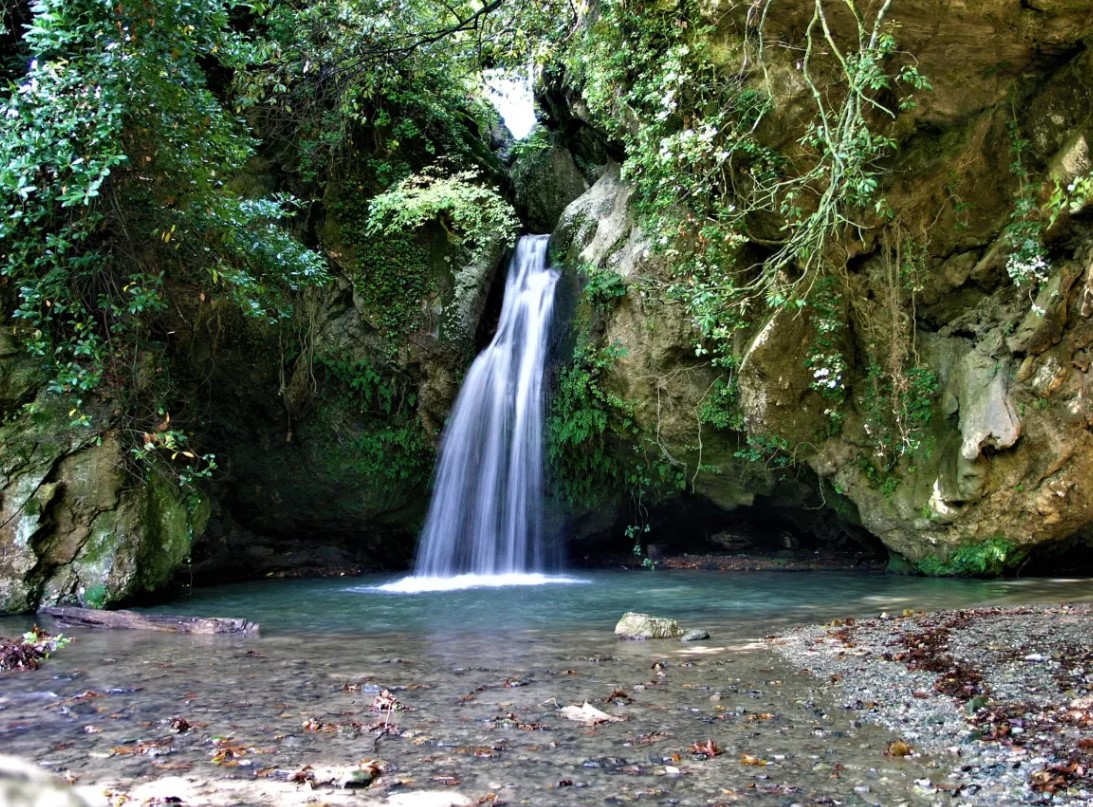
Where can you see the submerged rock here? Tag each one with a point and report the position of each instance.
(696, 635)
(644, 626)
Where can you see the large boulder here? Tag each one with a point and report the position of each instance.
(547, 179)
(644, 626)
(75, 525)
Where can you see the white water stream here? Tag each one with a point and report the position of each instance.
(485, 524)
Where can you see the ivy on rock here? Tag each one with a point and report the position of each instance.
(114, 185)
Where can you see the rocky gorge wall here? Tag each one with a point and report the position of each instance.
(959, 431)
(958, 435)
(323, 427)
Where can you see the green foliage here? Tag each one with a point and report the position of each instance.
(990, 558)
(536, 142)
(393, 274)
(401, 76)
(164, 446)
(472, 214)
(635, 533)
(898, 409)
(393, 268)
(845, 135)
(595, 448)
(1073, 198)
(825, 354)
(767, 449)
(585, 428)
(1027, 263)
(113, 168)
(898, 395)
(701, 175)
(385, 443)
(604, 288)
(705, 186)
(720, 407)
(693, 153)
(393, 279)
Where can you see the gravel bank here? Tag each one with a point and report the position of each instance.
(998, 697)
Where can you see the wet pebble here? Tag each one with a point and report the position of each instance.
(696, 635)
(1016, 652)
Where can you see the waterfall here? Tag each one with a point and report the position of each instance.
(485, 517)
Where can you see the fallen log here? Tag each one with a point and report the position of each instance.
(71, 617)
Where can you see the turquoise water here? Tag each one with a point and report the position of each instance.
(740, 604)
(481, 676)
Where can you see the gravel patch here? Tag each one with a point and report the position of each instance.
(998, 697)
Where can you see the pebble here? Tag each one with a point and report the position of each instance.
(996, 643)
(696, 635)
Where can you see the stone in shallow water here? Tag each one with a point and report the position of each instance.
(428, 798)
(645, 626)
(696, 635)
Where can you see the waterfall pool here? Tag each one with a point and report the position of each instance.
(479, 676)
(748, 605)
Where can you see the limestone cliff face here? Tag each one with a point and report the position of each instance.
(1004, 457)
(73, 526)
(657, 369)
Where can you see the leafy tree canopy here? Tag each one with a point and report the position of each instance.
(127, 126)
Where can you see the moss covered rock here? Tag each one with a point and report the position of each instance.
(958, 432)
(547, 179)
(75, 527)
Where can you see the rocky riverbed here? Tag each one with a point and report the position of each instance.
(525, 696)
(1001, 697)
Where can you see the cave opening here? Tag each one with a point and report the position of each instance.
(696, 527)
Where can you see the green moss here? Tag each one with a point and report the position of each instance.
(391, 274)
(172, 516)
(392, 278)
(95, 596)
(596, 449)
(373, 411)
(586, 428)
(897, 564)
(990, 558)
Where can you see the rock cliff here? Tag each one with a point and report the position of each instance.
(926, 390)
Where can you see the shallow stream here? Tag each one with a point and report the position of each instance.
(478, 679)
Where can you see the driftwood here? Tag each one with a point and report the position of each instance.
(130, 620)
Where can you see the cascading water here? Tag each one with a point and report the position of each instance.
(485, 520)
